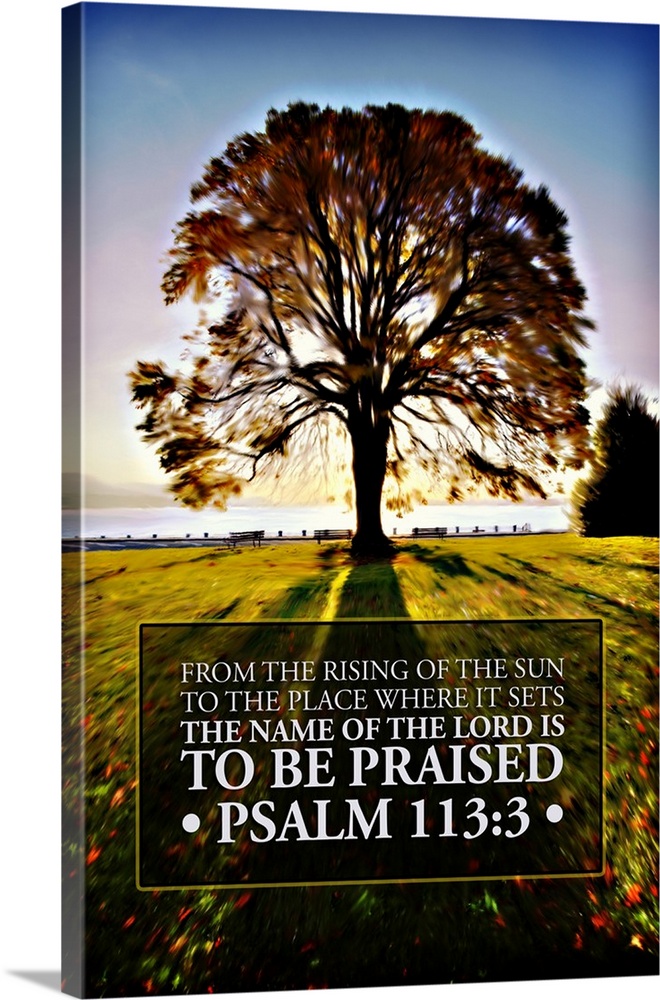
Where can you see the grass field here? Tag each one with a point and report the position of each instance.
(351, 935)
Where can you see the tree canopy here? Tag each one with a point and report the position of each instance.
(621, 495)
(375, 277)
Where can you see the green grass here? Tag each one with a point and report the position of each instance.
(193, 941)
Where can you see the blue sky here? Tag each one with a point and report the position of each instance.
(574, 104)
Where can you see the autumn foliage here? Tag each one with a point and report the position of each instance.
(373, 278)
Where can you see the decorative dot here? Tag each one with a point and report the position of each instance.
(191, 823)
(497, 830)
(497, 817)
(554, 813)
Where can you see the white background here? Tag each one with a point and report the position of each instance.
(29, 456)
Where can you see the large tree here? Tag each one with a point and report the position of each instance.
(621, 494)
(375, 275)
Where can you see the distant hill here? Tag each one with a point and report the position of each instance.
(100, 494)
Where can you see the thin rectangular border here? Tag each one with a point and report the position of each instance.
(388, 881)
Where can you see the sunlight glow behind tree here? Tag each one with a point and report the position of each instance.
(380, 278)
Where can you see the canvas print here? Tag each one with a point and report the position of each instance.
(360, 519)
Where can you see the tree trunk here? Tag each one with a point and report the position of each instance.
(369, 439)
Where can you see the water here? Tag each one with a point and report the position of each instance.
(177, 522)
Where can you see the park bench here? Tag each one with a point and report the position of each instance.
(323, 534)
(429, 532)
(247, 536)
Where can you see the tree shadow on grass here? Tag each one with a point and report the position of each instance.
(585, 593)
(371, 590)
(644, 567)
(301, 601)
(445, 564)
(308, 598)
(507, 577)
